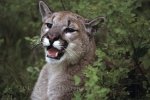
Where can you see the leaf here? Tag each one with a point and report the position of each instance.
(77, 80)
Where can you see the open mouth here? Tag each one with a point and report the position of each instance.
(56, 48)
(54, 53)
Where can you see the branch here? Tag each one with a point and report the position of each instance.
(137, 65)
(62, 3)
(137, 62)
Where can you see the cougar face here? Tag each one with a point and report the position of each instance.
(65, 35)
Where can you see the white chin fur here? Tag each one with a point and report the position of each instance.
(50, 60)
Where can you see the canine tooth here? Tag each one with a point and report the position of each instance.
(46, 42)
(56, 54)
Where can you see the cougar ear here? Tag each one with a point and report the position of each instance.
(93, 25)
(44, 9)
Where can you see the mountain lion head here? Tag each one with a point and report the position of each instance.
(66, 36)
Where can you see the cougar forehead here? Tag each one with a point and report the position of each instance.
(62, 18)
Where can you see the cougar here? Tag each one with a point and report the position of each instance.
(68, 42)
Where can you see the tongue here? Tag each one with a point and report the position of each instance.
(52, 52)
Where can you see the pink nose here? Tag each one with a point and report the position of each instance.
(52, 36)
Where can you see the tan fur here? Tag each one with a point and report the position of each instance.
(55, 81)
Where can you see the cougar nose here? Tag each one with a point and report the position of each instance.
(53, 36)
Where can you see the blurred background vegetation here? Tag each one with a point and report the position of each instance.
(122, 68)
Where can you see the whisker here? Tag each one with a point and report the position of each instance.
(72, 54)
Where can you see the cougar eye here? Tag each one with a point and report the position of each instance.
(49, 25)
(69, 30)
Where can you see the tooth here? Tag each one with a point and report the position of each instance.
(56, 54)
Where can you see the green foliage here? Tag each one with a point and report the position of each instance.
(121, 71)
(101, 83)
(77, 80)
(93, 88)
(123, 59)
